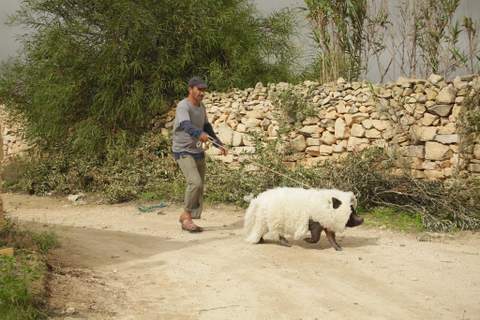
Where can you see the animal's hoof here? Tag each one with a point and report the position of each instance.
(338, 248)
(284, 242)
(309, 240)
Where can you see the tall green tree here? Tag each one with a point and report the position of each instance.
(93, 69)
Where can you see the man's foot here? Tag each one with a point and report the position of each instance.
(187, 223)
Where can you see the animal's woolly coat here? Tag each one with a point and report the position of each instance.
(286, 211)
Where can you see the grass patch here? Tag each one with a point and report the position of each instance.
(22, 277)
(393, 219)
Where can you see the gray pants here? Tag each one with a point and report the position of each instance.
(194, 172)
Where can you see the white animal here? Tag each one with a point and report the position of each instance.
(287, 211)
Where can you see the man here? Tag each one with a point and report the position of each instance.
(190, 129)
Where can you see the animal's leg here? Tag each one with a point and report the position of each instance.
(331, 239)
(257, 232)
(315, 230)
(284, 242)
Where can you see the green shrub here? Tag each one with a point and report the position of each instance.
(92, 70)
(149, 172)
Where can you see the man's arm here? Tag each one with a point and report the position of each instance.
(209, 130)
(189, 128)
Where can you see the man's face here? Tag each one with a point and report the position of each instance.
(196, 93)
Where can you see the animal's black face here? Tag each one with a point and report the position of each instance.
(355, 219)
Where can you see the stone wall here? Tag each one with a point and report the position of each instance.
(417, 118)
(11, 137)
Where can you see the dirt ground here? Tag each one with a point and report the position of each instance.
(117, 263)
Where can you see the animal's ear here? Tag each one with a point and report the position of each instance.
(336, 203)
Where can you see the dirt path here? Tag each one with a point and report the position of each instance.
(116, 263)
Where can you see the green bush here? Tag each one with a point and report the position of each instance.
(149, 172)
(92, 70)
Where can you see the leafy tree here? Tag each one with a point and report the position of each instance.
(95, 70)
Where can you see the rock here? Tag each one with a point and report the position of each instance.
(70, 310)
(373, 134)
(340, 147)
(76, 197)
(434, 174)
(272, 131)
(435, 78)
(251, 122)
(447, 95)
(313, 142)
(348, 119)
(357, 144)
(309, 130)
(7, 252)
(414, 151)
(407, 120)
(359, 117)
(459, 84)
(326, 150)
(310, 121)
(328, 138)
(442, 110)
(381, 125)
(325, 101)
(247, 140)
(225, 134)
(340, 128)
(332, 115)
(447, 138)
(421, 98)
(423, 133)
(299, 144)
(428, 119)
(236, 139)
(265, 123)
(476, 151)
(341, 107)
(255, 114)
(314, 151)
(226, 159)
(431, 94)
(474, 167)
(367, 124)
(357, 130)
(243, 150)
(241, 128)
(436, 151)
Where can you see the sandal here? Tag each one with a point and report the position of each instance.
(189, 226)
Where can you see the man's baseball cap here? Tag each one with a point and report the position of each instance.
(197, 82)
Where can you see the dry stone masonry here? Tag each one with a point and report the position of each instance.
(415, 118)
(11, 137)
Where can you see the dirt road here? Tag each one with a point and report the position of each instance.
(118, 263)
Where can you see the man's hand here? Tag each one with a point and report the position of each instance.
(203, 137)
(223, 151)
